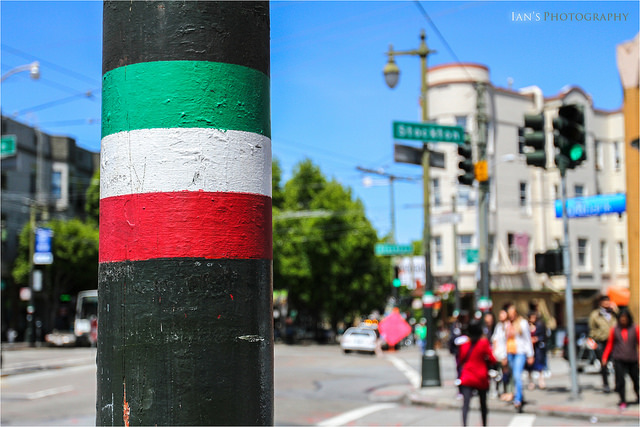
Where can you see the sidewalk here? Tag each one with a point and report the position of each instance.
(592, 404)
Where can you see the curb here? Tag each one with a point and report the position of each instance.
(560, 411)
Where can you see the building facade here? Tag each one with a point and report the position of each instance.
(44, 172)
(522, 218)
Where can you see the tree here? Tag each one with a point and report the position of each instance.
(92, 204)
(324, 249)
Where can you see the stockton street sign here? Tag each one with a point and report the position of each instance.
(428, 132)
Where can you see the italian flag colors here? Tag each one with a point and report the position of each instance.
(185, 311)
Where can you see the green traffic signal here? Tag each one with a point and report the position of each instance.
(570, 137)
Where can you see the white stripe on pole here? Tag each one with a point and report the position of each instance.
(179, 159)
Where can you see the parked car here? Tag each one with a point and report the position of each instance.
(359, 339)
(585, 348)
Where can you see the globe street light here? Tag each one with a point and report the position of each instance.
(430, 361)
(33, 69)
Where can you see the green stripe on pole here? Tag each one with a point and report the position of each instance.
(185, 94)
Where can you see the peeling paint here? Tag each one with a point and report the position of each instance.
(126, 410)
(251, 338)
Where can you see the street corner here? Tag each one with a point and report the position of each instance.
(391, 393)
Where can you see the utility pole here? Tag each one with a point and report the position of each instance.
(185, 291)
(392, 202)
(483, 199)
(456, 269)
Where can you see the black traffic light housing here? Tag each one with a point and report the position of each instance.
(550, 262)
(569, 137)
(466, 164)
(534, 138)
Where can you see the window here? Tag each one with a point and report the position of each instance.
(524, 197)
(464, 196)
(518, 244)
(617, 156)
(578, 190)
(437, 196)
(599, 155)
(462, 122)
(4, 181)
(583, 255)
(464, 244)
(622, 259)
(520, 140)
(56, 185)
(604, 256)
(436, 241)
(556, 189)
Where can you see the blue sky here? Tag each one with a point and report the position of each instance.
(329, 100)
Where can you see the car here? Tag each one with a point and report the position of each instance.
(585, 348)
(359, 339)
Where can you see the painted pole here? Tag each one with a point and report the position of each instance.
(185, 292)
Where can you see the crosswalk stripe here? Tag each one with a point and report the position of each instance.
(522, 420)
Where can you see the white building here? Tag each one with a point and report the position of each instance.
(522, 218)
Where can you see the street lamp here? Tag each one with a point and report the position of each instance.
(430, 361)
(33, 69)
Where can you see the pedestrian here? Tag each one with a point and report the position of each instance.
(498, 345)
(538, 340)
(474, 358)
(622, 346)
(489, 324)
(601, 320)
(421, 334)
(519, 350)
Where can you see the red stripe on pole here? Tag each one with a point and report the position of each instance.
(144, 226)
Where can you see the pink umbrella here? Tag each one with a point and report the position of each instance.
(394, 328)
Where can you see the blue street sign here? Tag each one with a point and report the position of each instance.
(43, 253)
(580, 207)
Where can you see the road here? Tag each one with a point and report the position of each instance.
(314, 385)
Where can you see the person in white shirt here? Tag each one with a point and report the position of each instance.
(518, 347)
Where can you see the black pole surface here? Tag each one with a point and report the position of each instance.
(185, 292)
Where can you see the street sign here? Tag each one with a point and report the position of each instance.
(392, 249)
(43, 254)
(580, 207)
(472, 256)
(8, 145)
(413, 156)
(428, 132)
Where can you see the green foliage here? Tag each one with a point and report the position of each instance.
(324, 249)
(75, 254)
(92, 205)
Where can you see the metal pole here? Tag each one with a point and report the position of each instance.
(430, 360)
(483, 207)
(566, 260)
(456, 273)
(185, 291)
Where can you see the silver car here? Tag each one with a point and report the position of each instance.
(359, 339)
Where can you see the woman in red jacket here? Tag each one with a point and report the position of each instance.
(474, 358)
(622, 346)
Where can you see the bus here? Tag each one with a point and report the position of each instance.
(85, 327)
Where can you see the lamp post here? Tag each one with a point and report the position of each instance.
(33, 69)
(430, 361)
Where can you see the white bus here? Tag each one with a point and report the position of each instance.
(85, 327)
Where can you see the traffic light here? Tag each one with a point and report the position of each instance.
(570, 137)
(466, 164)
(549, 262)
(533, 135)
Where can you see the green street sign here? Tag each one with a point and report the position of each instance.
(392, 249)
(428, 132)
(8, 145)
(472, 256)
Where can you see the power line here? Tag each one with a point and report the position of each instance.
(60, 68)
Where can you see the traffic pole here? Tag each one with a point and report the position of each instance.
(185, 291)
